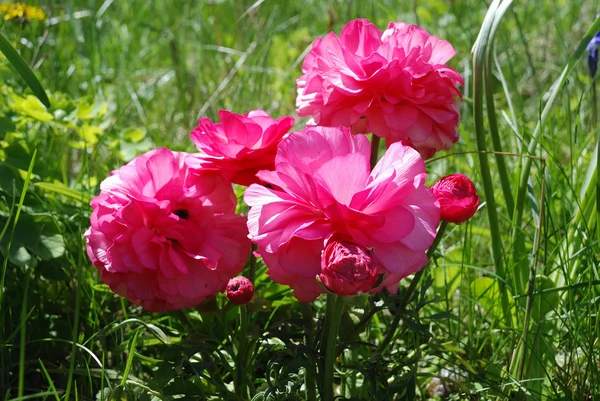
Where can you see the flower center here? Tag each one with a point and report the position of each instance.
(182, 213)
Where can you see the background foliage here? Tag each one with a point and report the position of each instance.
(125, 76)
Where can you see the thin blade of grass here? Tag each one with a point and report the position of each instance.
(13, 56)
(50, 382)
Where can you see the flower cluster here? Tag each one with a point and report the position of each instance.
(21, 12)
(164, 232)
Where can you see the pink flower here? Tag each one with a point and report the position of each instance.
(323, 186)
(457, 196)
(393, 84)
(240, 290)
(241, 145)
(348, 268)
(165, 235)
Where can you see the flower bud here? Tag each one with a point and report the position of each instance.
(348, 268)
(239, 290)
(457, 196)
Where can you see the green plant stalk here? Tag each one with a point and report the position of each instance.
(252, 269)
(374, 150)
(309, 378)
(242, 355)
(391, 332)
(23, 336)
(595, 127)
(75, 325)
(50, 382)
(479, 52)
(497, 144)
(333, 317)
(242, 351)
(130, 357)
(520, 270)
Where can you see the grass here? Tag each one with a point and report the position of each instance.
(508, 308)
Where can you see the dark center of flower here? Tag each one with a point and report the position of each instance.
(182, 213)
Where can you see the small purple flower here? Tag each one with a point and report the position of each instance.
(592, 50)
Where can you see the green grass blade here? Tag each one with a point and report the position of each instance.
(33, 396)
(496, 10)
(22, 68)
(63, 190)
(132, 346)
(50, 382)
(23, 335)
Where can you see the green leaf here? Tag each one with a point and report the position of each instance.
(22, 68)
(447, 278)
(61, 189)
(31, 107)
(35, 235)
(487, 292)
(50, 246)
(87, 111)
(10, 182)
(20, 257)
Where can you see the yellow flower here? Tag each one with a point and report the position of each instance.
(21, 11)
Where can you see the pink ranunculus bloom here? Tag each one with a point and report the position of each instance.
(323, 186)
(348, 268)
(165, 235)
(457, 196)
(394, 84)
(241, 145)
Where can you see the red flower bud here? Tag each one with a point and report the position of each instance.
(348, 268)
(239, 290)
(457, 196)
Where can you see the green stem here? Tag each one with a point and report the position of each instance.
(241, 388)
(389, 336)
(491, 113)
(242, 353)
(374, 150)
(595, 127)
(23, 336)
(333, 316)
(309, 377)
(252, 270)
(479, 53)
